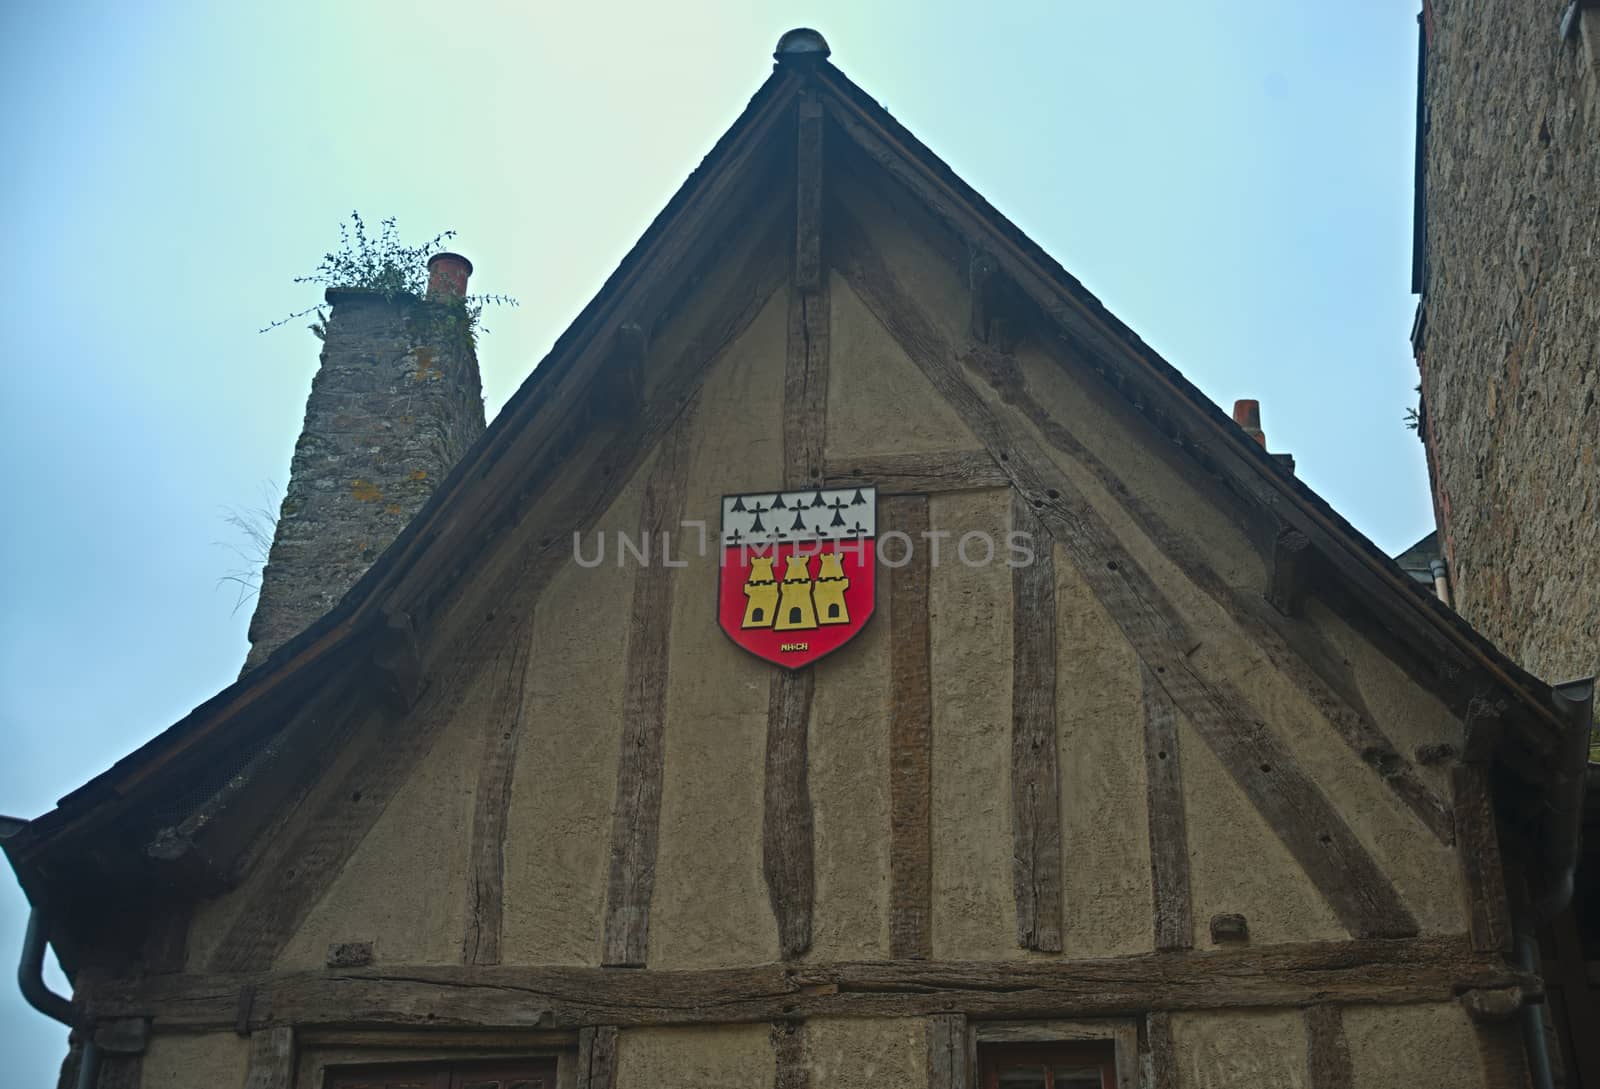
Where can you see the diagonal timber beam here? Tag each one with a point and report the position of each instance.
(1349, 879)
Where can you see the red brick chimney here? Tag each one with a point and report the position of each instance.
(447, 276)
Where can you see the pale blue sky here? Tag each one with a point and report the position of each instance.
(1233, 179)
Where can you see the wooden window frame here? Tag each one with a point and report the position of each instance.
(446, 1073)
(1122, 1035)
(325, 1052)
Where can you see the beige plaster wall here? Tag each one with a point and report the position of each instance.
(1105, 840)
(721, 1057)
(203, 1061)
(878, 401)
(974, 912)
(852, 1053)
(1236, 861)
(1075, 399)
(849, 748)
(1411, 715)
(558, 832)
(710, 904)
(1413, 1047)
(402, 887)
(1243, 1049)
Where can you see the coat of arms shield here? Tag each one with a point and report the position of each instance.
(798, 574)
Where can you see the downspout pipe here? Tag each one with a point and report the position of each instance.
(1575, 703)
(1441, 581)
(37, 993)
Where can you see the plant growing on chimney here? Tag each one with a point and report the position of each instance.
(385, 264)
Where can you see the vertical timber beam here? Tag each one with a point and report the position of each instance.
(1163, 1061)
(1169, 840)
(1483, 879)
(492, 805)
(808, 267)
(597, 1057)
(1327, 1050)
(788, 842)
(636, 820)
(947, 1052)
(790, 1070)
(272, 1058)
(1289, 547)
(910, 740)
(1035, 776)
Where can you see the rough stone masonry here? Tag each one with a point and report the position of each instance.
(394, 405)
(1510, 345)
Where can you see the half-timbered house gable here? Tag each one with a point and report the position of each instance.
(1143, 751)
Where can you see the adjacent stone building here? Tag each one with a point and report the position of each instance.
(1507, 339)
(1508, 331)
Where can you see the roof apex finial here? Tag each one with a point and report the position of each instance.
(803, 45)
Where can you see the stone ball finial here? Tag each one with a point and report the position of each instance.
(801, 44)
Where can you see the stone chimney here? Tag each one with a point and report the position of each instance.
(394, 405)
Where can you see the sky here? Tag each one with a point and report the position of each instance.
(1231, 177)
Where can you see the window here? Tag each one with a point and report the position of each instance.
(498, 1074)
(1078, 1065)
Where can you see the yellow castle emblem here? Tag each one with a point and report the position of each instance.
(799, 602)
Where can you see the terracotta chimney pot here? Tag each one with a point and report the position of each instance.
(447, 276)
(1247, 414)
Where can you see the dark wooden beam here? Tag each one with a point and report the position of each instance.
(1483, 882)
(910, 739)
(1163, 1058)
(805, 388)
(1361, 895)
(597, 1057)
(619, 383)
(918, 474)
(1327, 1051)
(1362, 972)
(790, 1068)
(1169, 839)
(502, 731)
(636, 814)
(808, 266)
(166, 943)
(1481, 731)
(397, 659)
(787, 827)
(1035, 774)
(1288, 570)
(947, 1052)
(981, 273)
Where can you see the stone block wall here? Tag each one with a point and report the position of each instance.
(1510, 349)
(394, 405)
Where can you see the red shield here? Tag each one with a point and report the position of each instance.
(799, 571)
